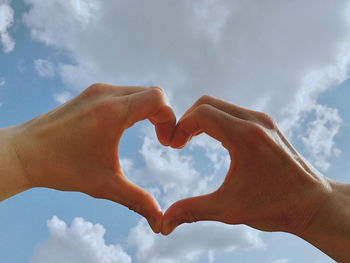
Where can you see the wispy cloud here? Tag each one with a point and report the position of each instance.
(319, 141)
(6, 21)
(44, 68)
(175, 173)
(63, 97)
(2, 81)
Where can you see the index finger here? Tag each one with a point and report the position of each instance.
(206, 118)
(152, 104)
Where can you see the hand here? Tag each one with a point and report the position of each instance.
(75, 146)
(268, 185)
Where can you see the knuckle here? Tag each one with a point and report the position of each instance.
(99, 89)
(205, 99)
(203, 109)
(158, 88)
(266, 120)
(94, 89)
(157, 93)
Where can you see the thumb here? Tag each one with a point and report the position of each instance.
(190, 210)
(136, 199)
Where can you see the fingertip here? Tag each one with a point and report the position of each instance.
(165, 132)
(168, 227)
(155, 216)
(167, 231)
(179, 138)
(155, 222)
(164, 122)
(138, 200)
(171, 219)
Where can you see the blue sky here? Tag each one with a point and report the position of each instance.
(241, 53)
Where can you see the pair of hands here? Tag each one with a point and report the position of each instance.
(75, 148)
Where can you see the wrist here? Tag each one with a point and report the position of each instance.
(329, 228)
(303, 200)
(13, 178)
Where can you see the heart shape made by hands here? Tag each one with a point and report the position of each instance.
(268, 185)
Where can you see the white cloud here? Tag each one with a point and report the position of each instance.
(2, 81)
(6, 20)
(189, 242)
(171, 174)
(282, 260)
(260, 56)
(214, 151)
(84, 242)
(81, 242)
(44, 68)
(126, 165)
(319, 141)
(63, 97)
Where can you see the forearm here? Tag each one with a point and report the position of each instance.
(12, 176)
(329, 229)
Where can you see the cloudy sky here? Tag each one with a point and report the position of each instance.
(287, 58)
